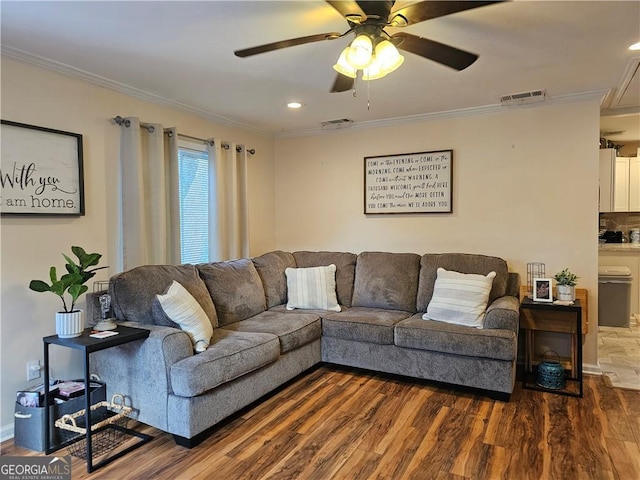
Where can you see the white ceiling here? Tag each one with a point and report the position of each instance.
(181, 53)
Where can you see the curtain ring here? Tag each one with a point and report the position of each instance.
(239, 149)
(252, 151)
(122, 121)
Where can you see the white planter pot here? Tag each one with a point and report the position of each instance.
(566, 292)
(70, 325)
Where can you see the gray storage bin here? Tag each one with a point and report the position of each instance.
(29, 431)
(614, 296)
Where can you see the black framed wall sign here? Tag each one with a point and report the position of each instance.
(408, 183)
(40, 171)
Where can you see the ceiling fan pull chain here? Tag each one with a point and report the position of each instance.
(368, 96)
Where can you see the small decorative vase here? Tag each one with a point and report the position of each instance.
(69, 325)
(566, 293)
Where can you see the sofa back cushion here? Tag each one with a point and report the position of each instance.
(133, 293)
(271, 267)
(463, 263)
(236, 289)
(386, 280)
(345, 270)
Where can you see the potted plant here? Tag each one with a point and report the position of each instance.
(566, 288)
(69, 321)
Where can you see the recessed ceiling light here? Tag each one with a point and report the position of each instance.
(295, 105)
(635, 46)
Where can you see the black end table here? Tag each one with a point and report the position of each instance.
(88, 345)
(550, 317)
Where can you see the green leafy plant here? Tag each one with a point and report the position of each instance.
(565, 277)
(72, 282)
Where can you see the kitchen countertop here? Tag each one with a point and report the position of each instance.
(619, 247)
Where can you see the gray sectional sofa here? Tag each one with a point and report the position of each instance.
(258, 344)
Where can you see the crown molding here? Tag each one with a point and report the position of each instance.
(59, 67)
(463, 112)
(63, 68)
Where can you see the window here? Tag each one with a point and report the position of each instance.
(193, 191)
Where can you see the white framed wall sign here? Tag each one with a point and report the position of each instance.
(40, 171)
(408, 183)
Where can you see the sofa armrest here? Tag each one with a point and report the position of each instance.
(513, 284)
(503, 313)
(140, 370)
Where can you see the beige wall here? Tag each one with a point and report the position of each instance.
(29, 246)
(525, 186)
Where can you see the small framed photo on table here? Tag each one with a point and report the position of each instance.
(542, 290)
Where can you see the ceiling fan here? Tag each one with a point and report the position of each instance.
(374, 53)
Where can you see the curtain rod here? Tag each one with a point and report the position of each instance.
(150, 128)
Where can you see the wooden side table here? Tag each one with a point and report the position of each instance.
(87, 345)
(548, 317)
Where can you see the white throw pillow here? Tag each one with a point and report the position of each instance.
(180, 306)
(312, 288)
(460, 298)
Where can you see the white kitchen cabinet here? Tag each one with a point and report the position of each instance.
(619, 182)
(634, 184)
(607, 162)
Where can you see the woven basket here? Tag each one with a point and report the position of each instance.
(551, 372)
(108, 421)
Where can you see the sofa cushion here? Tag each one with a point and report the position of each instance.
(133, 293)
(180, 306)
(236, 289)
(463, 263)
(460, 298)
(271, 267)
(363, 324)
(231, 355)
(345, 270)
(414, 332)
(293, 329)
(386, 280)
(312, 288)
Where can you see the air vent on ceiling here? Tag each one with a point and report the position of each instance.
(523, 98)
(336, 124)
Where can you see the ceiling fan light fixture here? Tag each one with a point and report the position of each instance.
(373, 71)
(388, 57)
(343, 67)
(360, 52)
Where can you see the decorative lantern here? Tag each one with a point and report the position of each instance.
(551, 372)
(534, 270)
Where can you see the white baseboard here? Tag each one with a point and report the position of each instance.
(6, 432)
(590, 369)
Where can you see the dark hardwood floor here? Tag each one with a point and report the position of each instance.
(338, 423)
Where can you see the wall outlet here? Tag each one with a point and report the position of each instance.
(34, 370)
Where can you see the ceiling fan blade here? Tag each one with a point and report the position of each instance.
(349, 10)
(421, 11)
(342, 84)
(269, 47)
(438, 52)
